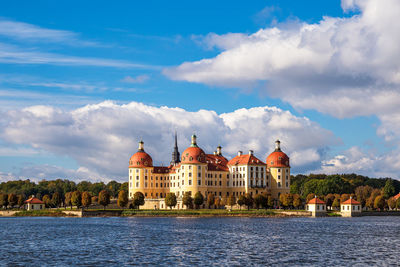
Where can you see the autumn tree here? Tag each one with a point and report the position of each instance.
(86, 199)
(47, 201)
(12, 200)
(379, 202)
(286, 200)
(259, 200)
(398, 203)
(241, 200)
(138, 199)
(20, 200)
(170, 200)
(95, 200)
(329, 198)
(67, 200)
(248, 201)
(210, 199)
(198, 199)
(56, 199)
(391, 203)
(217, 202)
(270, 201)
(123, 198)
(371, 200)
(76, 199)
(296, 201)
(363, 193)
(187, 200)
(104, 198)
(231, 201)
(3, 200)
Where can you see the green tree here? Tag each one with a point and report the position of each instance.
(248, 201)
(138, 199)
(67, 200)
(113, 187)
(329, 198)
(104, 198)
(379, 202)
(389, 190)
(47, 201)
(12, 199)
(296, 201)
(21, 200)
(76, 199)
(187, 200)
(270, 201)
(3, 200)
(241, 200)
(259, 199)
(210, 200)
(56, 199)
(170, 200)
(398, 203)
(336, 203)
(86, 199)
(123, 198)
(231, 201)
(198, 199)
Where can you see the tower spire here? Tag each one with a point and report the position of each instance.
(176, 157)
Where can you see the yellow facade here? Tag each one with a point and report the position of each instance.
(221, 178)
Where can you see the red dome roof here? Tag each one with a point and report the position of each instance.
(140, 159)
(193, 155)
(278, 159)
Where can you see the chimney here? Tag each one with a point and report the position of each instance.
(240, 153)
(277, 145)
(219, 152)
(251, 152)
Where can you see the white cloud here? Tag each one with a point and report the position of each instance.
(345, 67)
(369, 163)
(138, 79)
(17, 55)
(102, 137)
(27, 32)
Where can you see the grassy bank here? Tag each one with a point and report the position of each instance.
(41, 213)
(201, 212)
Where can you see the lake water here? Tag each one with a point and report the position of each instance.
(200, 241)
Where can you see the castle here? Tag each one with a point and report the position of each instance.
(197, 171)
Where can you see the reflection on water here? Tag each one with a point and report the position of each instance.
(200, 241)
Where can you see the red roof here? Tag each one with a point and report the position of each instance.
(216, 163)
(193, 154)
(140, 159)
(278, 159)
(397, 196)
(351, 202)
(316, 201)
(34, 200)
(245, 160)
(161, 169)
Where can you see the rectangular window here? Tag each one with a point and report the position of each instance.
(183, 182)
(145, 184)
(227, 183)
(145, 177)
(220, 183)
(199, 182)
(279, 170)
(137, 184)
(137, 177)
(199, 175)
(190, 182)
(190, 174)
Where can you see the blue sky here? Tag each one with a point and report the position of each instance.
(58, 57)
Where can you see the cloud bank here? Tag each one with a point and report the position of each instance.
(102, 137)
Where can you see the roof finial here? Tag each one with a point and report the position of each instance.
(141, 146)
(194, 140)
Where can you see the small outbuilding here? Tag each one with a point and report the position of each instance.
(317, 207)
(350, 208)
(34, 204)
